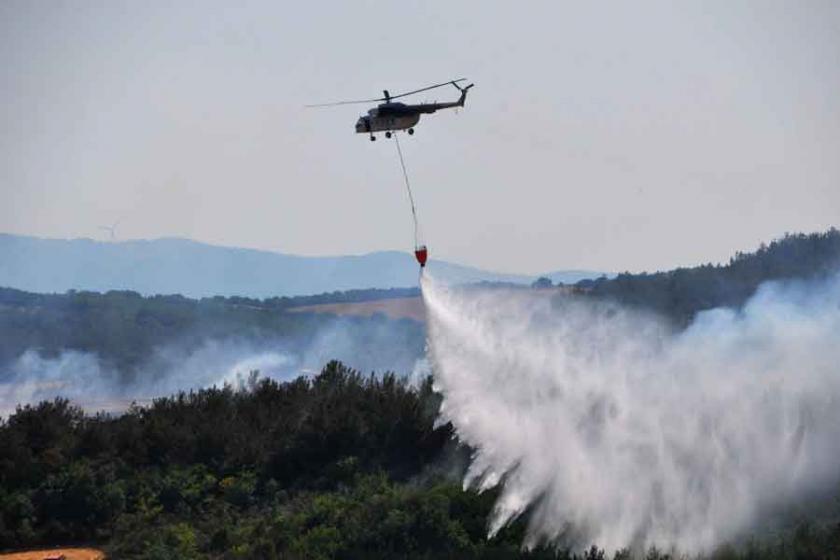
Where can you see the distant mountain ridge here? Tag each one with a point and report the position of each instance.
(195, 269)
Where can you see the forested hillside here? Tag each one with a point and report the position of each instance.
(339, 466)
(342, 465)
(123, 328)
(682, 292)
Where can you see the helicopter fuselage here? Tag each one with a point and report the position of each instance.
(399, 116)
(387, 117)
(393, 115)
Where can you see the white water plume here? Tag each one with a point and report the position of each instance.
(608, 427)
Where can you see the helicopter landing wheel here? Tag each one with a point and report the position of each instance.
(411, 131)
(372, 138)
(387, 135)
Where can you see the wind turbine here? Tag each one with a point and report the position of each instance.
(111, 230)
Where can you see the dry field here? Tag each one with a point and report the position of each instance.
(69, 554)
(413, 308)
(397, 308)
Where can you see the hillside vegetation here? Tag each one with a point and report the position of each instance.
(681, 293)
(123, 328)
(339, 466)
(342, 465)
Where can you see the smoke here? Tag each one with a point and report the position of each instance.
(83, 378)
(603, 425)
(32, 378)
(375, 344)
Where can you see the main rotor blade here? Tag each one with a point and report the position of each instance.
(428, 88)
(377, 100)
(345, 103)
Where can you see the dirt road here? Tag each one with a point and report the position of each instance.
(69, 554)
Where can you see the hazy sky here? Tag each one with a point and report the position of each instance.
(609, 136)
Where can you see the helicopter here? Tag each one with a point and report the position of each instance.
(393, 115)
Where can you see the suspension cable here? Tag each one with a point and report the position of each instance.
(407, 188)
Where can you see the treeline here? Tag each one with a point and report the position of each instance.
(17, 298)
(681, 293)
(346, 296)
(339, 466)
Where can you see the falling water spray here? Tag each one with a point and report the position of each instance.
(604, 425)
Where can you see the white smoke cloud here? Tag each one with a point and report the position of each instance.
(33, 377)
(82, 377)
(609, 428)
(87, 380)
(214, 362)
